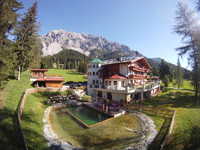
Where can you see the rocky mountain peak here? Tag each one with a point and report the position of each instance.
(54, 41)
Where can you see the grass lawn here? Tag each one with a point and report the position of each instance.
(11, 95)
(187, 116)
(113, 134)
(9, 99)
(158, 121)
(186, 85)
(69, 75)
(32, 124)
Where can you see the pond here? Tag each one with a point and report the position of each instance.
(88, 115)
(116, 133)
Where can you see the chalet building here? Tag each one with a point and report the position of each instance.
(123, 80)
(37, 73)
(39, 79)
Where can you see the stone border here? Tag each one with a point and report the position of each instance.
(50, 135)
(148, 132)
(20, 108)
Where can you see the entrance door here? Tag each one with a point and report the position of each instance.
(109, 96)
(99, 94)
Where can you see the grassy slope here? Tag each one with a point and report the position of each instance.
(187, 112)
(187, 115)
(112, 134)
(33, 127)
(11, 95)
(69, 75)
(158, 121)
(186, 85)
(32, 122)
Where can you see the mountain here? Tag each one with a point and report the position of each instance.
(155, 63)
(93, 46)
(56, 40)
(158, 60)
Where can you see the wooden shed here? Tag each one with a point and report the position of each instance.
(39, 79)
(37, 73)
(55, 82)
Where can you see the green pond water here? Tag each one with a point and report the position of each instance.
(88, 115)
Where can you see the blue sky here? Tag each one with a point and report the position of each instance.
(143, 25)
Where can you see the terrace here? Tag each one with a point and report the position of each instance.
(112, 109)
(130, 89)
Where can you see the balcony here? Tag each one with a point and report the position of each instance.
(130, 89)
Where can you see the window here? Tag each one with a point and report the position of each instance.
(93, 73)
(123, 83)
(97, 66)
(106, 83)
(97, 81)
(115, 82)
(100, 94)
(97, 73)
(94, 66)
(109, 82)
(109, 96)
(93, 81)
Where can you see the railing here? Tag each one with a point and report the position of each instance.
(145, 87)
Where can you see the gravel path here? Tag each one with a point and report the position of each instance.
(148, 133)
(53, 141)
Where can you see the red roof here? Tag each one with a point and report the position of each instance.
(39, 70)
(155, 77)
(116, 76)
(61, 79)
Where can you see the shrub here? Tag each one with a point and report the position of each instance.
(86, 98)
(68, 92)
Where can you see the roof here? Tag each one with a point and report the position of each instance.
(124, 61)
(154, 77)
(61, 79)
(97, 61)
(116, 76)
(121, 61)
(39, 70)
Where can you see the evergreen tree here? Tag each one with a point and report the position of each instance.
(188, 28)
(8, 19)
(165, 73)
(179, 75)
(28, 45)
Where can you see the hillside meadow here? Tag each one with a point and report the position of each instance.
(10, 96)
(187, 123)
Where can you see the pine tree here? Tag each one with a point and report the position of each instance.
(179, 75)
(188, 28)
(165, 73)
(8, 19)
(28, 45)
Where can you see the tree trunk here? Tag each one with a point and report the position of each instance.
(19, 73)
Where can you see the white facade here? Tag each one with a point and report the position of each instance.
(119, 84)
(94, 81)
